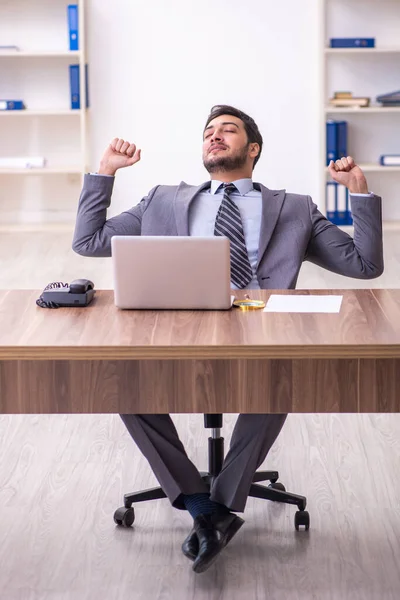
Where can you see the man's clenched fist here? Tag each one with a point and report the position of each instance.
(118, 154)
(346, 172)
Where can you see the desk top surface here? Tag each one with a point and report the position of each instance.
(368, 326)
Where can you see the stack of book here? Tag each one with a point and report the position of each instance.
(392, 99)
(346, 100)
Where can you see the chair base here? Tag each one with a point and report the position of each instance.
(274, 492)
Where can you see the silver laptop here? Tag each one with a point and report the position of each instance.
(171, 272)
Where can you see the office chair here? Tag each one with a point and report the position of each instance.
(275, 491)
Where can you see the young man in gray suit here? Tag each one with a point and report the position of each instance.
(271, 232)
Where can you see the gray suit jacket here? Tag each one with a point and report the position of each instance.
(292, 229)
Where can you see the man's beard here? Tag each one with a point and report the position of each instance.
(226, 163)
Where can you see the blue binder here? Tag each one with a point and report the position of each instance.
(337, 204)
(73, 26)
(342, 205)
(75, 86)
(386, 160)
(12, 105)
(336, 140)
(331, 201)
(331, 141)
(352, 42)
(341, 139)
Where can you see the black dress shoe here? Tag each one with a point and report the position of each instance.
(190, 546)
(213, 533)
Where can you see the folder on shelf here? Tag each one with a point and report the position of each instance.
(74, 79)
(336, 140)
(352, 42)
(337, 204)
(74, 86)
(342, 205)
(9, 47)
(390, 160)
(331, 200)
(12, 105)
(331, 141)
(73, 26)
(341, 139)
(22, 162)
(391, 99)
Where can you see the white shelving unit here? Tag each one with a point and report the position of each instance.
(39, 75)
(374, 130)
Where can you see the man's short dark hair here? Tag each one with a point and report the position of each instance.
(253, 134)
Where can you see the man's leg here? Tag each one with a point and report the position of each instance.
(157, 438)
(251, 441)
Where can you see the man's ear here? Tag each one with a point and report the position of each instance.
(254, 149)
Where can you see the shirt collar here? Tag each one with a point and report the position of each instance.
(243, 186)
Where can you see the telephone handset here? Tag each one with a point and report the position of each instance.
(79, 292)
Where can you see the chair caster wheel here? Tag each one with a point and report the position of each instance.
(302, 518)
(277, 486)
(124, 517)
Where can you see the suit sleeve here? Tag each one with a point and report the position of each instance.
(360, 257)
(93, 232)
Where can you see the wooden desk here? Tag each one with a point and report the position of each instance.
(100, 359)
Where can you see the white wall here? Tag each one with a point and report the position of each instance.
(157, 67)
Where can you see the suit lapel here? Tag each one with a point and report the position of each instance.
(183, 197)
(272, 201)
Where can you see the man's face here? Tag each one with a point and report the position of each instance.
(225, 144)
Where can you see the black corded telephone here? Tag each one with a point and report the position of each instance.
(79, 292)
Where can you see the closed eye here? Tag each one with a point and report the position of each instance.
(226, 131)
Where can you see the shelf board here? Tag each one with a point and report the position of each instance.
(386, 226)
(43, 171)
(359, 111)
(39, 113)
(37, 228)
(375, 167)
(40, 54)
(362, 50)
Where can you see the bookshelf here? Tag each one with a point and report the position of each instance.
(38, 73)
(373, 130)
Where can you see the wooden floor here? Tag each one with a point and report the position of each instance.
(61, 478)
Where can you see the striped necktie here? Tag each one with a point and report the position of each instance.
(228, 223)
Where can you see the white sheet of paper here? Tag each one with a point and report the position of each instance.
(303, 304)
